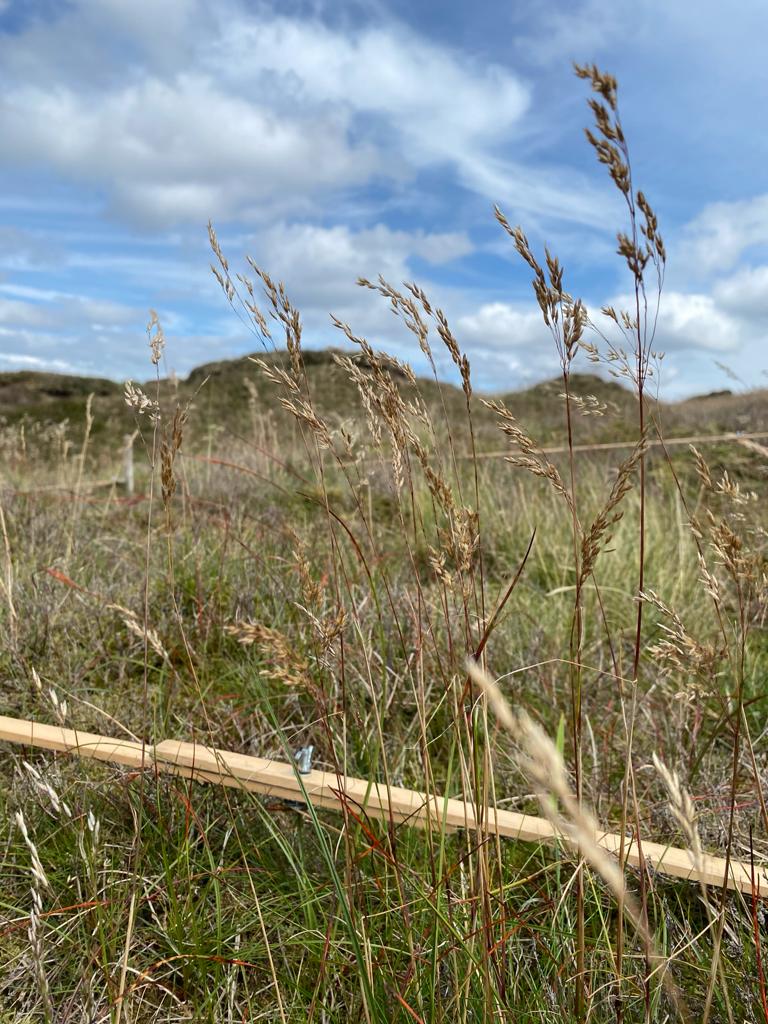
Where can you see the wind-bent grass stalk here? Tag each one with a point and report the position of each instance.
(544, 767)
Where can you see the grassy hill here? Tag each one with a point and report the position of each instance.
(225, 395)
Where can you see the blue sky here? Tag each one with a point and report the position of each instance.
(352, 138)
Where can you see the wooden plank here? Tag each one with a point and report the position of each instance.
(396, 804)
(85, 744)
(324, 788)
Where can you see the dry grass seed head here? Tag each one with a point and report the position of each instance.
(555, 303)
(303, 411)
(282, 311)
(38, 871)
(169, 449)
(275, 374)
(328, 629)
(459, 360)
(311, 589)
(254, 311)
(465, 537)
(681, 806)
(542, 764)
(139, 402)
(702, 468)
(541, 761)
(286, 663)
(590, 405)
(529, 456)
(405, 308)
(730, 550)
(44, 788)
(708, 580)
(143, 632)
(437, 560)
(679, 650)
(156, 337)
(381, 396)
(364, 385)
(610, 514)
(731, 489)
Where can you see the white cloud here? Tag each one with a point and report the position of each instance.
(23, 291)
(500, 325)
(439, 108)
(276, 112)
(694, 321)
(745, 293)
(180, 149)
(687, 321)
(539, 193)
(22, 361)
(328, 261)
(507, 345)
(24, 314)
(717, 237)
(549, 35)
(62, 310)
(510, 341)
(441, 102)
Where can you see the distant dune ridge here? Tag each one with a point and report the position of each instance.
(224, 392)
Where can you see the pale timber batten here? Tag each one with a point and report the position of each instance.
(334, 792)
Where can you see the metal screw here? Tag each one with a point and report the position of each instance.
(303, 758)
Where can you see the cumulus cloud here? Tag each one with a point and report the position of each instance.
(694, 321)
(745, 293)
(323, 263)
(688, 321)
(179, 150)
(436, 107)
(498, 324)
(308, 137)
(277, 112)
(441, 102)
(508, 344)
(715, 239)
(693, 330)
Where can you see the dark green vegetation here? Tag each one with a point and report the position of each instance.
(288, 575)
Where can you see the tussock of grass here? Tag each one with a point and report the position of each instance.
(286, 575)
